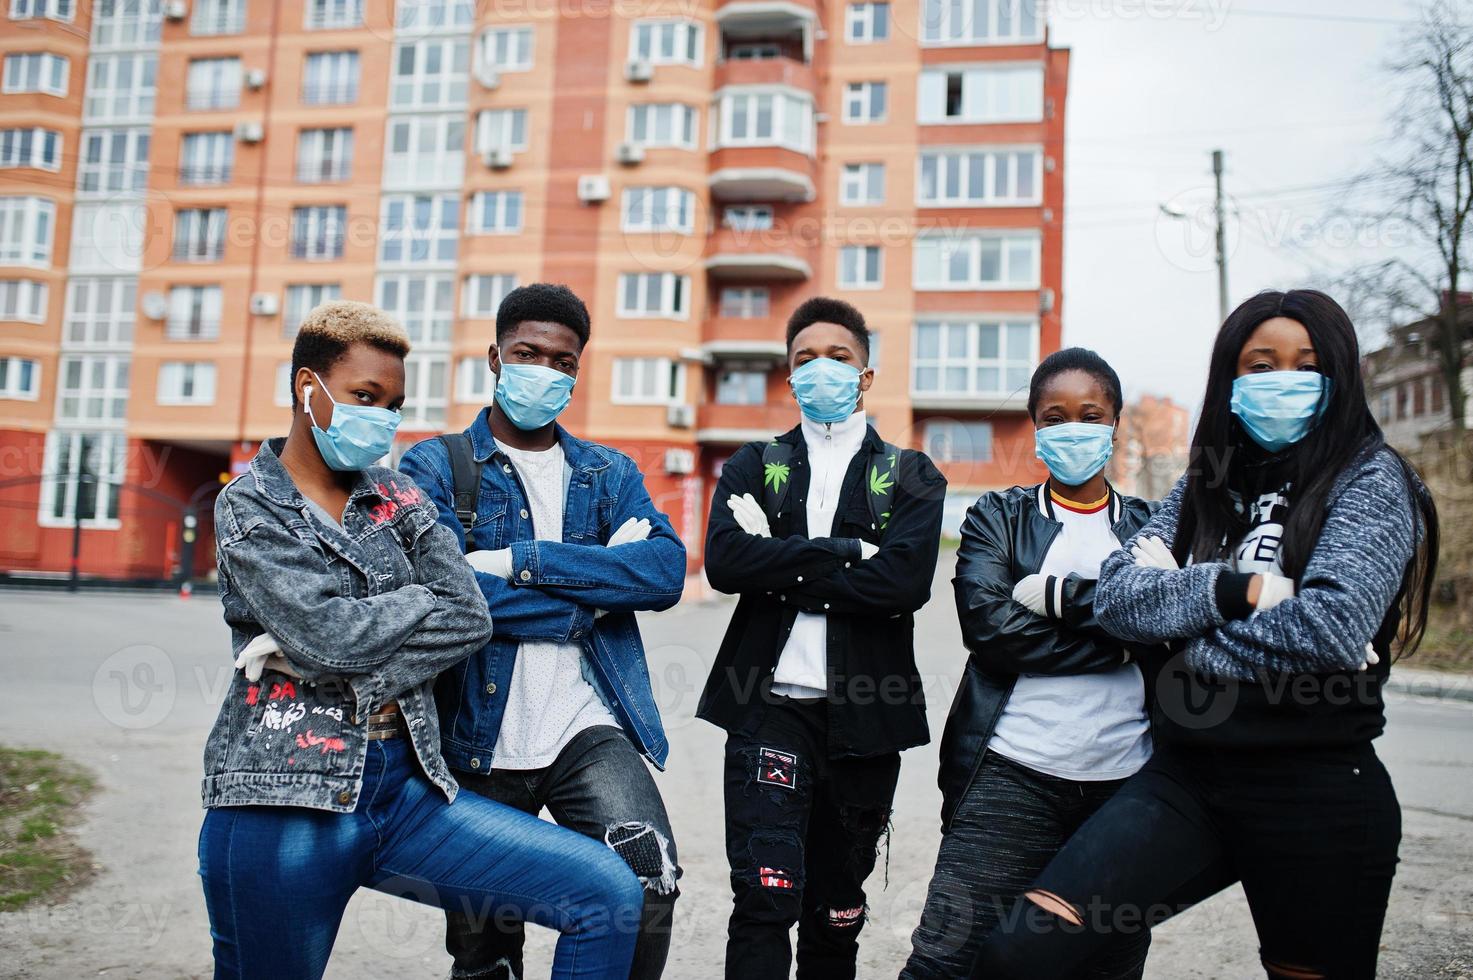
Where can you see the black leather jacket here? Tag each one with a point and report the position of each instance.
(1005, 537)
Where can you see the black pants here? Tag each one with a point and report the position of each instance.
(1010, 822)
(1311, 834)
(802, 835)
(599, 786)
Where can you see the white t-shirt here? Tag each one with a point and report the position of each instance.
(803, 665)
(1085, 727)
(550, 700)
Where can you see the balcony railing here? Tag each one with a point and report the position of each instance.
(219, 98)
(323, 171)
(191, 328)
(199, 174)
(330, 93)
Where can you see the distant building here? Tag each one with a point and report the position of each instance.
(1151, 454)
(1405, 384)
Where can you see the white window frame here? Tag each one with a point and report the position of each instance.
(30, 148)
(864, 25)
(325, 155)
(108, 101)
(20, 378)
(855, 184)
(482, 292)
(676, 118)
(672, 302)
(425, 409)
(216, 18)
(648, 36)
(937, 442)
(783, 103)
(330, 77)
(194, 313)
(974, 240)
(474, 382)
(126, 23)
(36, 72)
(102, 175)
(634, 377)
(1014, 159)
(23, 300)
(506, 48)
(430, 16)
(502, 129)
(58, 10)
(99, 396)
(662, 208)
(747, 370)
(969, 358)
(213, 84)
(420, 89)
(747, 217)
(206, 158)
(862, 99)
(186, 383)
(27, 230)
(854, 263)
(199, 234)
(505, 217)
(319, 232)
(981, 87)
(434, 153)
(428, 317)
(302, 298)
(99, 313)
(330, 15)
(420, 230)
(113, 465)
(744, 302)
(1001, 22)
(281, 395)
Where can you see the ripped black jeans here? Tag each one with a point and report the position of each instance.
(802, 835)
(599, 786)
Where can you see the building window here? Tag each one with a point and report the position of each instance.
(425, 151)
(62, 10)
(496, 212)
(425, 391)
(864, 102)
(20, 378)
(324, 15)
(982, 95)
(977, 260)
(662, 124)
(318, 231)
(862, 183)
(281, 397)
(126, 23)
(658, 209)
(972, 178)
(304, 297)
(107, 236)
(474, 382)
(860, 267)
(950, 441)
(36, 71)
(31, 148)
(430, 74)
(213, 83)
(324, 155)
(83, 471)
(951, 22)
(747, 217)
(206, 158)
(665, 42)
(330, 78)
(753, 51)
(483, 295)
(757, 118)
(26, 227)
(648, 381)
(194, 313)
(199, 235)
(99, 312)
(866, 23)
(120, 88)
(741, 386)
(654, 294)
(501, 129)
(93, 388)
(744, 302)
(186, 383)
(23, 300)
(419, 229)
(984, 358)
(212, 17)
(505, 48)
(434, 15)
(425, 304)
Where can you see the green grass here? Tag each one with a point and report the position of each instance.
(40, 797)
(1447, 646)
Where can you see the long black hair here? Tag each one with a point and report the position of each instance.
(1345, 433)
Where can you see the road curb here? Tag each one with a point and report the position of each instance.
(1431, 684)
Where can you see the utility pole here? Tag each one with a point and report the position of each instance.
(1222, 283)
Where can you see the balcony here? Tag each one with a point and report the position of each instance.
(756, 255)
(748, 21)
(767, 71)
(731, 425)
(766, 173)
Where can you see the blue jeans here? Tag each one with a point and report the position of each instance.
(277, 879)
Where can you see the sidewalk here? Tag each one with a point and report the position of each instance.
(1445, 685)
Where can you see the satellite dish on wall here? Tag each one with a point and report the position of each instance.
(155, 306)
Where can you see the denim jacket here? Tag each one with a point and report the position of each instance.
(556, 586)
(367, 613)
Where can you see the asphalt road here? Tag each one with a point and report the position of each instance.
(129, 686)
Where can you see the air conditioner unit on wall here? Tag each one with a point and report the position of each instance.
(488, 76)
(255, 79)
(593, 188)
(497, 159)
(250, 132)
(155, 305)
(264, 304)
(629, 153)
(176, 10)
(679, 462)
(639, 71)
(680, 416)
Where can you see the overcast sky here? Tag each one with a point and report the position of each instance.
(1296, 94)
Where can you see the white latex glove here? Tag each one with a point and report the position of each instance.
(496, 562)
(254, 655)
(632, 530)
(749, 515)
(867, 550)
(1152, 552)
(1030, 592)
(1372, 657)
(1275, 589)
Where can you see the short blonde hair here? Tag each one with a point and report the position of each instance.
(329, 330)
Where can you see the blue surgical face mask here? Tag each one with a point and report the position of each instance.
(1074, 451)
(1278, 408)
(359, 436)
(532, 395)
(827, 390)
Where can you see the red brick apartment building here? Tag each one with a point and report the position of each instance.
(181, 181)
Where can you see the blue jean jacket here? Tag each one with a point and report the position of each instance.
(555, 587)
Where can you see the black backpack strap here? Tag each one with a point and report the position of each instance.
(880, 480)
(465, 473)
(777, 477)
